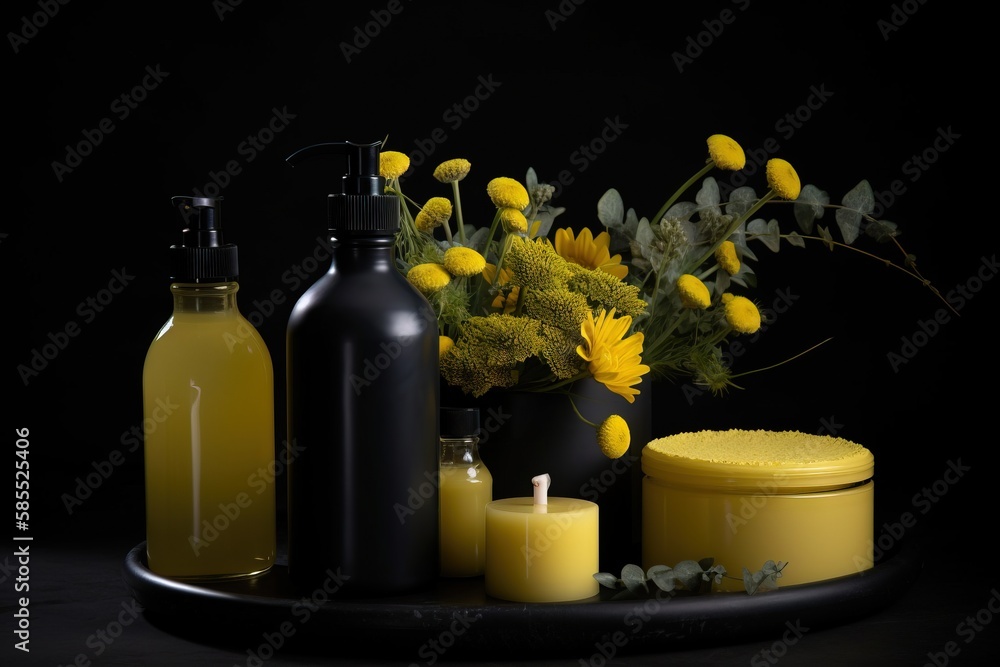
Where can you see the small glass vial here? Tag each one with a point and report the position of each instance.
(466, 487)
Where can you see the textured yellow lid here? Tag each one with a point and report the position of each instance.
(757, 461)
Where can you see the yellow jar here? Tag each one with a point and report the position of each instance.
(746, 497)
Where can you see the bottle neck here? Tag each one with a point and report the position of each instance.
(459, 451)
(372, 253)
(211, 298)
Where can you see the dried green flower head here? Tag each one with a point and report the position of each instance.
(392, 164)
(604, 290)
(742, 314)
(726, 256)
(463, 262)
(560, 308)
(693, 293)
(488, 352)
(782, 178)
(558, 351)
(535, 264)
(452, 171)
(507, 193)
(436, 212)
(726, 153)
(513, 221)
(428, 277)
(614, 437)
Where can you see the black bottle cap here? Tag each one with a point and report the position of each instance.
(202, 256)
(361, 206)
(459, 422)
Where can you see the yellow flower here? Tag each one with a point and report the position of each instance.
(490, 271)
(507, 193)
(725, 255)
(463, 262)
(445, 343)
(435, 213)
(781, 178)
(613, 436)
(693, 292)
(590, 252)
(508, 302)
(742, 314)
(451, 171)
(726, 153)
(615, 361)
(428, 277)
(392, 164)
(513, 221)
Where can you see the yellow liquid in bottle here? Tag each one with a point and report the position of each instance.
(209, 447)
(463, 494)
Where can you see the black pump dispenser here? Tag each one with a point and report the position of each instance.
(203, 256)
(361, 206)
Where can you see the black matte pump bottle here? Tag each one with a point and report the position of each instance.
(363, 403)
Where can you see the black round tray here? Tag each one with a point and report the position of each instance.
(263, 615)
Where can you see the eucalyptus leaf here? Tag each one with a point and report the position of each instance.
(796, 240)
(768, 233)
(740, 201)
(826, 236)
(682, 210)
(664, 579)
(531, 179)
(881, 230)
(809, 207)
(689, 574)
(611, 209)
(860, 201)
(546, 216)
(606, 579)
(634, 578)
(708, 197)
(477, 241)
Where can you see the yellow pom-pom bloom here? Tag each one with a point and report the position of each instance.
(445, 343)
(781, 178)
(428, 277)
(742, 315)
(507, 193)
(590, 252)
(726, 153)
(693, 292)
(392, 164)
(725, 255)
(463, 262)
(614, 437)
(615, 361)
(452, 171)
(513, 221)
(435, 213)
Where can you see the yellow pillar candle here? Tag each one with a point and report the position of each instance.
(541, 549)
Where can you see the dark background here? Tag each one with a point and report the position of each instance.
(896, 78)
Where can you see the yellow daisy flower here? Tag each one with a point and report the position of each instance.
(693, 292)
(445, 343)
(451, 171)
(726, 256)
(507, 193)
(614, 361)
(428, 277)
(513, 221)
(613, 437)
(392, 164)
(781, 178)
(508, 302)
(726, 153)
(463, 262)
(590, 252)
(490, 271)
(742, 314)
(436, 212)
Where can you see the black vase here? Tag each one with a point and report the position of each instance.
(524, 434)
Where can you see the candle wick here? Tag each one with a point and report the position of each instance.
(541, 484)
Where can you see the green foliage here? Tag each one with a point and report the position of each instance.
(688, 575)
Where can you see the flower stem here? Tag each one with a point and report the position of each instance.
(674, 197)
(458, 211)
(733, 226)
(582, 418)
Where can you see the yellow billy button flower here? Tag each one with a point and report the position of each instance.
(436, 212)
(613, 436)
(693, 292)
(741, 313)
(507, 193)
(781, 178)
(428, 277)
(445, 344)
(615, 361)
(463, 262)
(513, 221)
(392, 164)
(725, 255)
(590, 252)
(726, 153)
(452, 171)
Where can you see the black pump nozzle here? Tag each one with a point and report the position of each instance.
(202, 256)
(361, 205)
